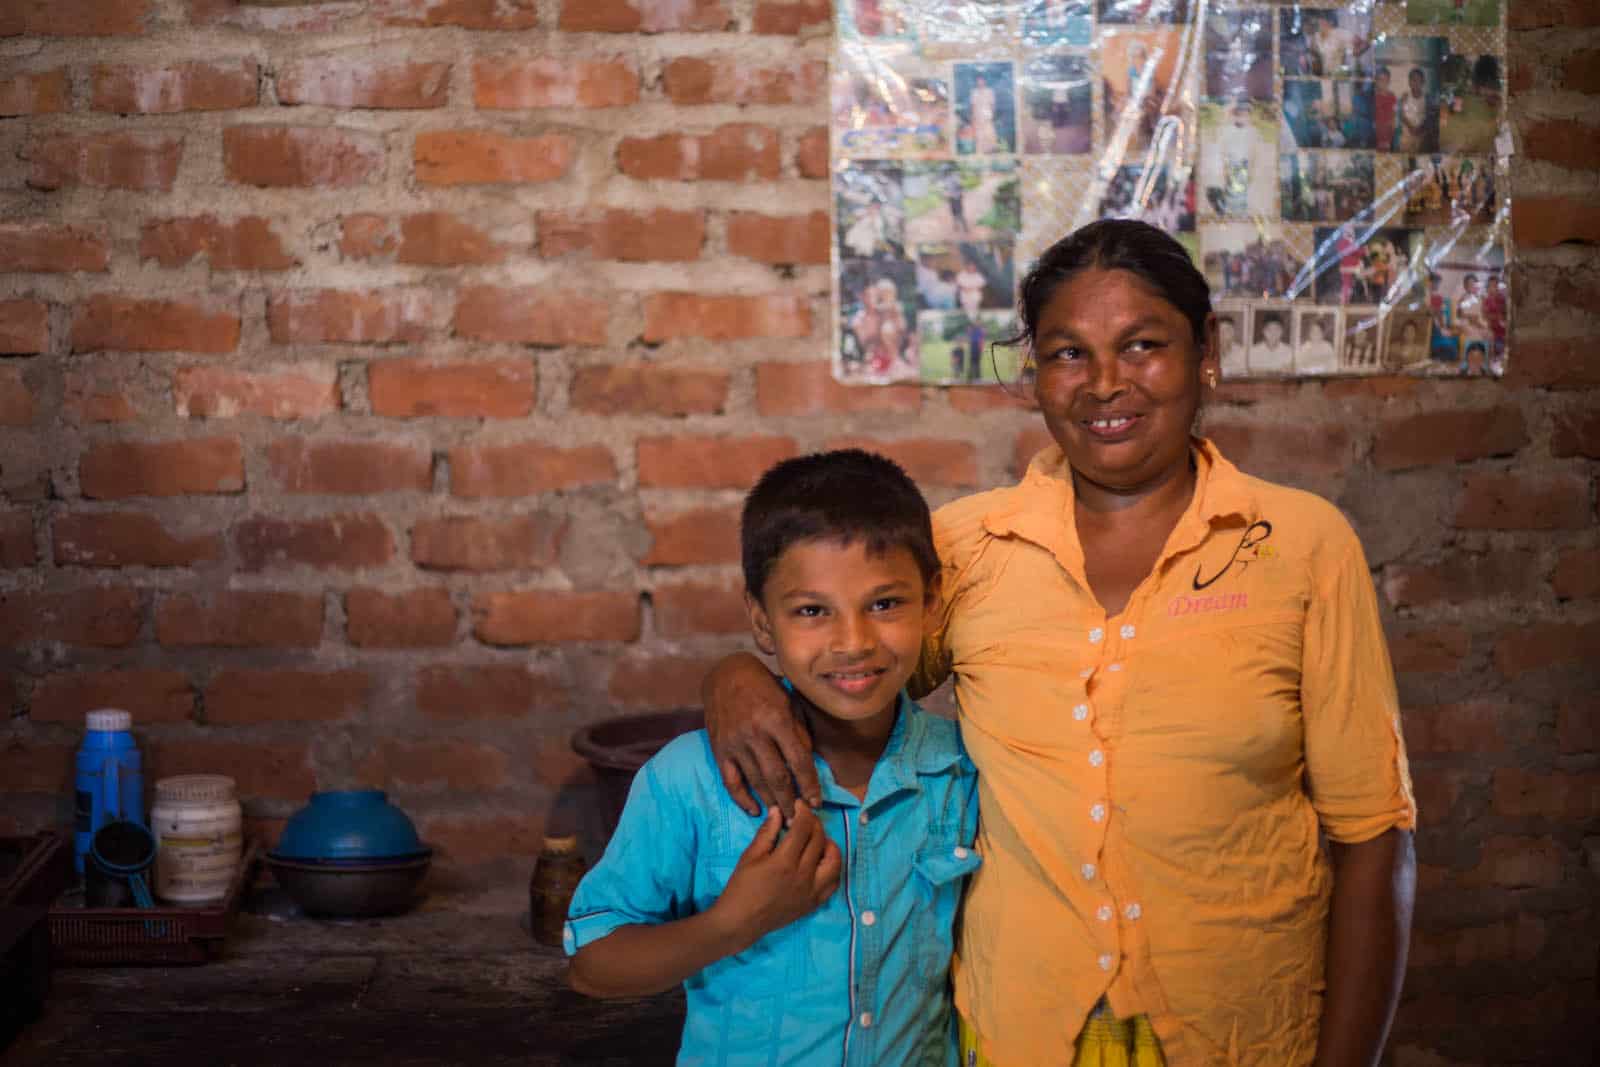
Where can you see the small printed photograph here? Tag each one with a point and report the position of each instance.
(1161, 199)
(1316, 341)
(1316, 43)
(1144, 12)
(965, 277)
(986, 113)
(1381, 269)
(869, 209)
(888, 111)
(969, 23)
(1359, 351)
(962, 202)
(1057, 106)
(958, 348)
(1323, 113)
(878, 19)
(1233, 340)
(1137, 72)
(1271, 352)
(1453, 12)
(1051, 23)
(1238, 157)
(1450, 190)
(1248, 260)
(1408, 71)
(1325, 186)
(1467, 308)
(1405, 342)
(1469, 103)
(878, 309)
(1238, 50)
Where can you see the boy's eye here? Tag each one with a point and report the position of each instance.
(808, 611)
(888, 603)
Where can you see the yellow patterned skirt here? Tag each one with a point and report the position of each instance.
(1105, 1041)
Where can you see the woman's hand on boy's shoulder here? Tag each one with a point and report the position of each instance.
(759, 744)
(780, 877)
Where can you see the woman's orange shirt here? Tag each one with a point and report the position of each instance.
(1154, 785)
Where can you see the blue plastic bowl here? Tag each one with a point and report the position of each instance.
(349, 824)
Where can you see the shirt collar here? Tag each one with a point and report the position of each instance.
(910, 751)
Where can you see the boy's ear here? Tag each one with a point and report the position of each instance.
(932, 601)
(760, 625)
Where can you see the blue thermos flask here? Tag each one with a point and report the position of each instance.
(110, 779)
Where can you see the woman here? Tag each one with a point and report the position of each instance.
(1172, 678)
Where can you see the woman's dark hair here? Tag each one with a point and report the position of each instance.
(1116, 244)
(847, 496)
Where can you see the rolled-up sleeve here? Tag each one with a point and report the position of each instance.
(1360, 783)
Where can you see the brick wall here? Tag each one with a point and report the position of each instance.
(381, 377)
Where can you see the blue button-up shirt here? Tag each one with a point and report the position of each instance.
(864, 979)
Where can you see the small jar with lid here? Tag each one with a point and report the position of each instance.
(199, 837)
(555, 879)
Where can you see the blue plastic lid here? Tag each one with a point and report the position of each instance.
(348, 824)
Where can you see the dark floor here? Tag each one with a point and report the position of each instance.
(455, 983)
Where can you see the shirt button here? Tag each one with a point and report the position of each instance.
(1104, 913)
(1088, 872)
(863, 818)
(960, 853)
(1127, 631)
(1106, 962)
(866, 1019)
(1096, 758)
(1098, 812)
(1095, 635)
(868, 918)
(1133, 911)
(1080, 712)
(1114, 667)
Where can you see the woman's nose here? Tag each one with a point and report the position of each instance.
(1105, 376)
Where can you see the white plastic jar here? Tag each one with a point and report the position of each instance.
(199, 837)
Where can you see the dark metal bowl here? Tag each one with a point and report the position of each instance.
(346, 891)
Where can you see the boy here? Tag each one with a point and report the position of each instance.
(828, 942)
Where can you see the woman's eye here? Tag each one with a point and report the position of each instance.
(1066, 354)
(1144, 346)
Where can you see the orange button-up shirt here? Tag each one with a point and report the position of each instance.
(1153, 785)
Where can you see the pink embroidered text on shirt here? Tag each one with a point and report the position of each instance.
(1207, 605)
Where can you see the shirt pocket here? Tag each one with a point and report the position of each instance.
(940, 872)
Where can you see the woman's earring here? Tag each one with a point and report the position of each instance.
(1211, 379)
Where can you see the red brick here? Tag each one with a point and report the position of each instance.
(557, 767)
(1534, 14)
(263, 17)
(811, 154)
(117, 469)
(497, 690)
(17, 549)
(1521, 938)
(133, 325)
(525, 315)
(468, 14)
(354, 316)
(35, 767)
(780, 239)
(1438, 789)
(439, 762)
(1577, 574)
(349, 467)
(47, 247)
(478, 471)
(193, 86)
(245, 243)
(366, 237)
(1544, 645)
(34, 93)
(791, 17)
(661, 235)
(99, 618)
(1580, 72)
(294, 391)
(1578, 725)
(708, 462)
(690, 80)
(467, 543)
(810, 389)
(1429, 651)
(483, 157)
(151, 695)
(633, 16)
(1540, 222)
(1557, 364)
(1564, 142)
(24, 327)
(74, 18)
(1576, 433)
(409, 388)
(262, 770)
(1558, 796)
(508, 82)
(725, 317)
(1518, 502)
(700, 535)
(1520, 863)
(97, 396)
(1301, 448)
(545, 616)
(238, 695)
(240, 620)
(641, 679)
(1459, 578)
(468, 840)
(142, 162)
(1475, 727)
(418, 618)
(300, 156)
(17, 407)
(733, 153)
(127, 539)
(635, 389)
(929, 461)
(332, 542)
(440, 239)
(687, 608)
(1445, 437)
(354, 80)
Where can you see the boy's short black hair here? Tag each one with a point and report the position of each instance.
(848, 496)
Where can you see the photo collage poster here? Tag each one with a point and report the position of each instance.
(1338, 170)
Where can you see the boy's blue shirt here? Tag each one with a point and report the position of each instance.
(864, 979)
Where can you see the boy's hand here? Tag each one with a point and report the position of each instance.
(777, 882)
